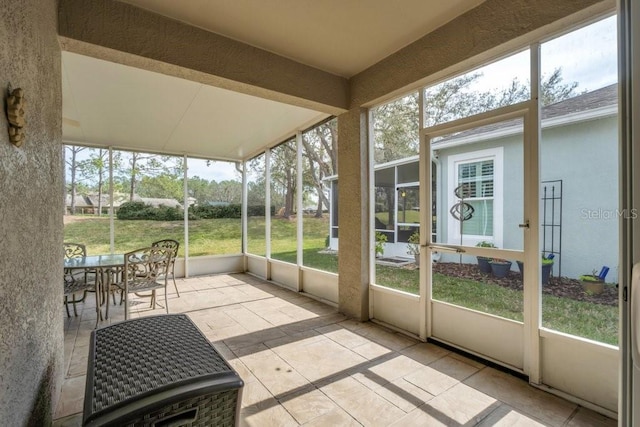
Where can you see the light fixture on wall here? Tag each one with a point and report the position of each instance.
(15, 114)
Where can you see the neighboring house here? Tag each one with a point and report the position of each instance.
(157, 202)
(578, 203)
(89, 204)
(83, 204)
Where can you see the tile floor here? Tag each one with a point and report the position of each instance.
(303, 363)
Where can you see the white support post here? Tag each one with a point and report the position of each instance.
(244, 214)
(185, 165)
(267, 208)
(532, 294)
(300, 210)
(112, 243)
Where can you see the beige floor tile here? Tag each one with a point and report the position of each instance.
(271, 416)
(371, 350)
(308, 404)
(454, 368)
(403, 394)
(312, 322)
(587, 418)
(391, 340)
(363, 404)
(298, 339)
(260, 409)
(70, 421)
(221, 334)
(320, 359)
(521, 396)
(79, 360)
(252, 337)
(343, 336)
(425, 353)
(71, 397)
(335, 417)
(467, 360)
(248, 319)
(386, 370)
(463, 404)
(432, 380)
(506, 416)
(275, 374)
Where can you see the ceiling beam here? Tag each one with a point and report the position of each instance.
(125, 34)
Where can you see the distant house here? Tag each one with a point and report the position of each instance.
(578, 203)
(157, 202)
(89, 204)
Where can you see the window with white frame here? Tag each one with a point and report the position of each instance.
(475, 195)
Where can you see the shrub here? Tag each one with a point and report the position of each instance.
(142, 211)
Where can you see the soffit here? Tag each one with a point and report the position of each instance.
(343, 37)
(109, 104)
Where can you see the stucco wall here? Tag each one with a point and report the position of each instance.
(31, 206)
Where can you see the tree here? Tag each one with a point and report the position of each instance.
(72, 161)
(144, 164)
(96, 169)
(321, 154)
(283, 177)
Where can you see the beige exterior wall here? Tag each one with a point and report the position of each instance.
(31, 207)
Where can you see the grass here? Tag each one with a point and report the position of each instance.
(593, 321)
(223, 236)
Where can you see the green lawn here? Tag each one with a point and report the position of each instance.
(223, 236)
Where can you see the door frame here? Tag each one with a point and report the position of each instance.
(528, 112)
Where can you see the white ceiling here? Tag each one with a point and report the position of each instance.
(108, 104)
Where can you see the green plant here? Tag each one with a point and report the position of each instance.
(381, 239)
(593, 277)
(485, 244)
(413, 244)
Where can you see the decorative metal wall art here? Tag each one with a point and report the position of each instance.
(15, 114)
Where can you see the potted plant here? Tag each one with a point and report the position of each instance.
(483, 262)
(547, 265)
(592, 283)
(500, 267)
(413, 245)
(381, 239)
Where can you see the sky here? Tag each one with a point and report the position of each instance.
(587, 56)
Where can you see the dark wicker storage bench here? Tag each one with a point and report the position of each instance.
(158, 371)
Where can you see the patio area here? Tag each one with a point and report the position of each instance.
(303, 363)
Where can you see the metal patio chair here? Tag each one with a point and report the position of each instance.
(144, 270)
(76, 281)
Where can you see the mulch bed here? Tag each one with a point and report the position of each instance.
(558, 286)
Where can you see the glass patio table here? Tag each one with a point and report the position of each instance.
(106, 267)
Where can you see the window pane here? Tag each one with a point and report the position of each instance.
(283, 202)
(501, 83)
(579, 186)
(215, 199)
(86, 220)
(479, 188)
(396, 204)
(320, 197)
(256, 210)
(149, 194)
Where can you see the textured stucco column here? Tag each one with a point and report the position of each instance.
(31, 206)
(353, 208)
